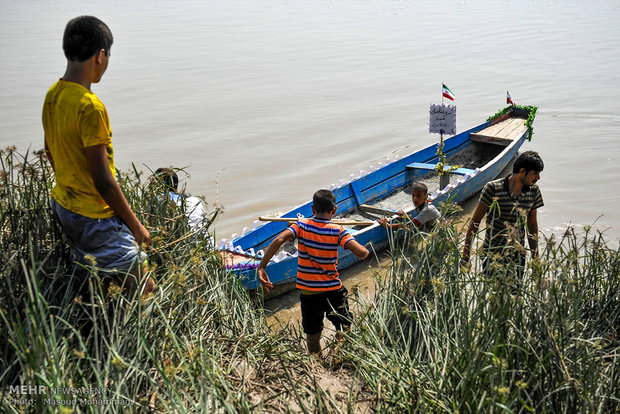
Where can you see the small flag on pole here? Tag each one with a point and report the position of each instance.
(447, 93)
(509, 99)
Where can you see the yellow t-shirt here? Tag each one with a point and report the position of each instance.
(73, 119)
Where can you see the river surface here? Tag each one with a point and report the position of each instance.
(263, 102)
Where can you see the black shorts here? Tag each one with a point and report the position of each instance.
(333, 303)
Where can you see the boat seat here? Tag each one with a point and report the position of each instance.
(502, 133)
(432, 167)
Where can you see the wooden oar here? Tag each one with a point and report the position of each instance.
(343, 222)
(377, 210)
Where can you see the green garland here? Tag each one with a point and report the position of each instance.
(441, 162)
(531, 114)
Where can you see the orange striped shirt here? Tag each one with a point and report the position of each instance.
(318, 241)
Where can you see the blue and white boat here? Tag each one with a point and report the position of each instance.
(481, 152)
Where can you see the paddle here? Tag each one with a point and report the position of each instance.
(343, 222)
(377, 210)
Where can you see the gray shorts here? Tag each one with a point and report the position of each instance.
(106, 243)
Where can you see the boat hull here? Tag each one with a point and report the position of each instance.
(368, 188)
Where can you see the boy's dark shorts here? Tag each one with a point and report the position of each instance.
(314, 307)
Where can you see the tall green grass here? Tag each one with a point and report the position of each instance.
(434, 338)
(440, 338)
(198, 344)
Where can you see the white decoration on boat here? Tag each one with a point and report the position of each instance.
(238, 249)
(281, 256)
(251, 251)
(245, 230)
(260, 253)
(332, 186)
(300, 216)
(256, 224)
(223, 243)
(233, 236)
(371, 168)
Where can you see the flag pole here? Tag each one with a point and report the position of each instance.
(444, 179)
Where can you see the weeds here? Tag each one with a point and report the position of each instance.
(438, 338)
(197, 344)
(435, 338)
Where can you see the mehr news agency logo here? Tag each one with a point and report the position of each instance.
(29, 395)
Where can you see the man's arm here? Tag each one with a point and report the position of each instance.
(274, 246)
(108, 188)
(532, 231)
(477, 217)
(357, 249)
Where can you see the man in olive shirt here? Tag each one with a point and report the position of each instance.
(511, 203)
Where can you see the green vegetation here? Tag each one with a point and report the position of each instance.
(436, 338)
(527, 112)
(433, 339)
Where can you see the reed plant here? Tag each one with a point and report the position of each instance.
(199, 343)
(434, 337)
(440, 338)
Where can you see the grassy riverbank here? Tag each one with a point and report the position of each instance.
(434, 338)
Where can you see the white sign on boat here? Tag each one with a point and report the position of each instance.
(442, 119)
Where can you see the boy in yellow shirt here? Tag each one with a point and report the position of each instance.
(87, 199)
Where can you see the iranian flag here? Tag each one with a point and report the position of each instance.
(447, 93)
(509, 99)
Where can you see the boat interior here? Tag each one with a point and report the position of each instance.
(470, 156)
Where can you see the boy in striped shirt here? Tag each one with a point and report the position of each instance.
(322, 292)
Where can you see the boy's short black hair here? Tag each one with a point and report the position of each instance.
(168, 177)
(84, 37)
(419, 187)
(530, 160)
(324, 201)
